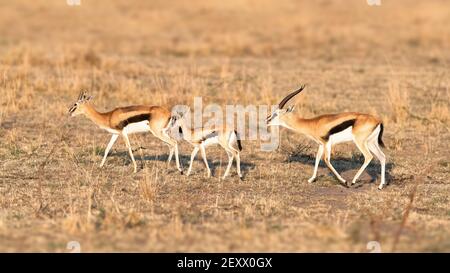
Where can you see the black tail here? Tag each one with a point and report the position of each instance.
(380, 135)
(238, 140)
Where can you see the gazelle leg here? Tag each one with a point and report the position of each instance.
(375, 149)
(194, 153)
(230, 162)
(235, 153)
(202, 150)
(362, 146)
(108, 148)
(238, 164)
(174, 147)
(127, 142)
(177, 158)
(327, 161)
(171, 150)
(316, 164)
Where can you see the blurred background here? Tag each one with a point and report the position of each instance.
(331, 29)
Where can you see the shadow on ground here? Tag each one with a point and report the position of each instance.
(184, 160)
(343, 164)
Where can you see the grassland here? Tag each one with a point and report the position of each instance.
(392, 61)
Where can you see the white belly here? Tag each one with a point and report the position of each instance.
(210, 141)
(109, 130)
(342, 136)
(138, 127)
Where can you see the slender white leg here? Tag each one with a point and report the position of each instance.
(238, 164)
(177, 158)
(367, 158)
(171, 149)
(174, 148)
(316, 164)
(194, 153)
(230, 162)
(127, 142)
(108, 148)
(327, 161)
(375, 149)
(202, 150)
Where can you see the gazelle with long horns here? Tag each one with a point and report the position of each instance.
(201, 138)
(364, 130)
(124, 121)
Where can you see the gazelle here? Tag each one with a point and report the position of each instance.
(364, 130)
(123, 121)
(201, 138)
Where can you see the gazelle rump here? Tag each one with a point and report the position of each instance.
(326, 130)
(201, 138)
(128, 120)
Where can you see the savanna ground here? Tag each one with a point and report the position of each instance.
(392, 61)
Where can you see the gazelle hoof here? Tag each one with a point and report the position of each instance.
(312, 179)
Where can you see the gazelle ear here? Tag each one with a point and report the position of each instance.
(88, 98)
(81, 95)
(290, 108)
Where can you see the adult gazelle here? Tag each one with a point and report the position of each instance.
(326, 130)
(124, 121)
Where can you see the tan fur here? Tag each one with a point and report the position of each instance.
(319, 126)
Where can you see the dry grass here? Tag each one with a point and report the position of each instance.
(390, 60)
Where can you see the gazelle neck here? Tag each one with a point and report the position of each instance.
(98, 118)
(296, 123)
(187, 132)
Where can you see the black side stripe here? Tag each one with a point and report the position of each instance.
(133, 119)
(238, 140)
(210, 135)
(339, 128)
(380, 136)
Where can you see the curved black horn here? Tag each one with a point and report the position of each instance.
(290, 96)
(81, 95)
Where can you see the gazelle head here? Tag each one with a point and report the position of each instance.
(79, 106)
(177, 122)
(276, 118)
(176, 119)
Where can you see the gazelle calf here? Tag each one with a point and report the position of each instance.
(364, 130)
(128, 120)
(201, 138)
